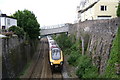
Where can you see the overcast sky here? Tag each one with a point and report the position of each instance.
(48, 12)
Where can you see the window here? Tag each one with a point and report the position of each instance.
(3, 27)
(103, 8)
(55, 54)
(8, 21)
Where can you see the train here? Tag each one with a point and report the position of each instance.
(55, 55)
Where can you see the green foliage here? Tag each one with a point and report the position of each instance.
(91, 72)
(74, 53)
(118, 10)
(64, 41)
(73, 58)
(114, 58)
(73, 50)
(85, 68)
(27, 20)
(67, 51)
(17, 30)
(77, 46)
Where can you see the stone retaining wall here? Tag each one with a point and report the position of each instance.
(16, 54)
(97, 35)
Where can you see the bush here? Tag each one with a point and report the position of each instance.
(73, 58)
(77, 47)
(67, 51)
(74, 53)
(85, 68)
(17, 30)
(64, 41)
(118, 10)
(91, 72)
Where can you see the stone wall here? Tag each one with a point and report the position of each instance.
(16, 53)
(97, 35)
(73, 29)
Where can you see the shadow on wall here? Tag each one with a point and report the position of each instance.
(16, 54)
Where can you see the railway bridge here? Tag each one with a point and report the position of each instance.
(55, 29)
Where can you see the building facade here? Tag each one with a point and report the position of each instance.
(97, 9)
(7, 21)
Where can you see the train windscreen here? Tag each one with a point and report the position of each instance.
(56, 54)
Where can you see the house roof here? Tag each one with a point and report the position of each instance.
(4, 15)
(88, 6)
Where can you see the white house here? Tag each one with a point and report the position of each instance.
(97, 9)
(7, 21)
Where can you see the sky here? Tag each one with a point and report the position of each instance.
(48, 12)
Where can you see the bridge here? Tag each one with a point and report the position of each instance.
(55, 29)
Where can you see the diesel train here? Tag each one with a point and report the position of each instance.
(55, 55)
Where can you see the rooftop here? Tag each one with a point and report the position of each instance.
(4, 15)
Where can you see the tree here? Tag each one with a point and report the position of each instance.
(118, 10)
(27, 20)
(17, 30)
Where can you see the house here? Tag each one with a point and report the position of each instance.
(97, 9)
(7, 21)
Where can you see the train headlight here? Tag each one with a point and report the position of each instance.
(61, 63)
(51, 63)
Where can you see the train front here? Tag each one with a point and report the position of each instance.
(56, 59)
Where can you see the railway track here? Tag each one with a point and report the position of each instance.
(46, 71)
(57, 75)
(40, 67)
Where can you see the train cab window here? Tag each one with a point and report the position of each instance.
(56, 54)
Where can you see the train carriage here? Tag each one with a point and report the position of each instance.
(55, 55)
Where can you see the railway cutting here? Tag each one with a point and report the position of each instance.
(40, 66)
